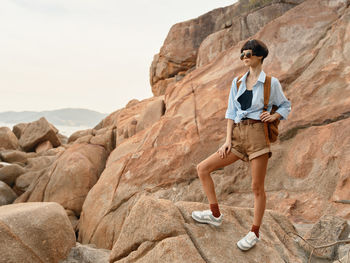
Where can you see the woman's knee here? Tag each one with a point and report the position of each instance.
(202, 169)
(258, 189)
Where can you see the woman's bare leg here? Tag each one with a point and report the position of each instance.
(259, 167)
(212, 163)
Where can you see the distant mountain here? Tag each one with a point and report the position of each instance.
(67, 117)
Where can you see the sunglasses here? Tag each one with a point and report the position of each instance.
(247, 55)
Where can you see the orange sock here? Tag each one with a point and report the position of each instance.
(255, 229)
(215, 209)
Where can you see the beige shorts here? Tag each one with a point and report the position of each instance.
(248, 141)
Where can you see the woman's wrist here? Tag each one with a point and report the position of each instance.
(277, 115)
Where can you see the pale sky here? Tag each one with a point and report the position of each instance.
(92, 54)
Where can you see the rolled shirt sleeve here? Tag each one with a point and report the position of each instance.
(231, 111)
(279, 99)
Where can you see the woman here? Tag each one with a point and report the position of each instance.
(245, 138)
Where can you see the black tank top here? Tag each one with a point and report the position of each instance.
(246, 99)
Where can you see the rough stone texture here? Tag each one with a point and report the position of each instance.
(242, 27)
(18, 129)
(313, 146)
(40, 162)
(9, 173)
(43, 147)
(7, 195)
(327, 230)
(87, 254)
(34, 232)
(15, 156)
(68, 180)
(151, 114)
(168, 230)
(8, 139)
(63, 139)
(179, 52)
(37, 132)
(135, 117)
(24, 180)
(74, 136)
(105, 138)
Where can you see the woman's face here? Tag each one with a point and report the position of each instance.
(253, 61)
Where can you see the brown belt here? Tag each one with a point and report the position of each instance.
(246, 121)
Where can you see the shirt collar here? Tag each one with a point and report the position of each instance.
(261, 77)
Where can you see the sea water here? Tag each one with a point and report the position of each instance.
(63, 129)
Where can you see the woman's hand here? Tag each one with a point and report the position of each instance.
(224, 149)
(265, 116)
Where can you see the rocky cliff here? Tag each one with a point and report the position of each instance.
(130, 183)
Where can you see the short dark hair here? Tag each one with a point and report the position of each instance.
(257, 46)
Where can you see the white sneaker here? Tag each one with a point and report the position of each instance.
(206, 216)
(248, 241)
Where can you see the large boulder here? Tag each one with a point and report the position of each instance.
(16, 156)
(88, 254)
(43, 147)
(327, 230)
(313, 146)
(157, 228)
(8, 139)
(35, 232)
(125, 123)
(7, 195)
(23, 181)
(74, 136)
(18, 129)
(37, 132)
(180, 49)
(69, 178)
(241, 27)
(9, 173)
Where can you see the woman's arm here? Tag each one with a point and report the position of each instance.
(231, 110)
(279, 99)
(229, 130)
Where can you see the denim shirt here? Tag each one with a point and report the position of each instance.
(277, 97)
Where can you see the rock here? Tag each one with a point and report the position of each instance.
(105, 138)
(327, 230)
(54, 151)
(79, 134)
(15, 156)
(40, 162)
(3, 164)
(87, 253)
(151, 114)
(343, 259)
(18, 129)
(9, 173)
(164, 229)
(7, 195)
(84, 139)
(69, 178)
(164, 156)
(37, 132)
(43, 147)
(73, 219)
(127, 122)
(63, 139)
(241, 27)
(24, 180)
(35, 232)
(7, 139)
(181, 46)
(344, 251)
